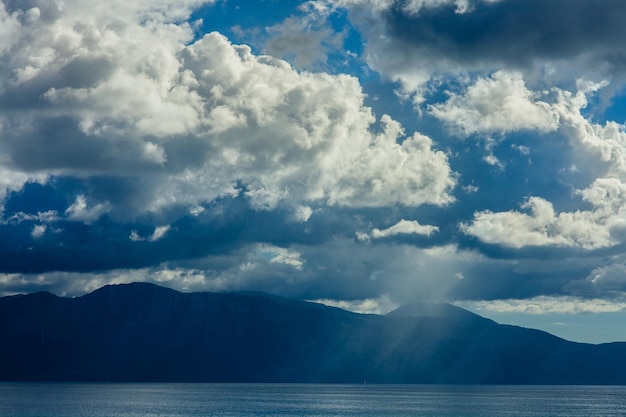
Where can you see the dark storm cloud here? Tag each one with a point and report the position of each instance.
(85, 72)
(516, 33)
(104, 243)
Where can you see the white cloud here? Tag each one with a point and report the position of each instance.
(601, 146)
(82, 212)
(182, 279)
(66, 284)
(524, 150)
(38, 231)
(48, 216)
(386, 173)
(154, 153)
(542, 226)
(601, 150)
(136, 97)
(493, 160)
(302, 213)
(304, 137)
(407, 227)
(548, 305)
(134, 236)
(500, 103)
(610, 278)
(278, 255)
(79, 56)
(380, 305)
(158, 234)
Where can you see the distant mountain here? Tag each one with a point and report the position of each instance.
(430, 309)
(143, 332)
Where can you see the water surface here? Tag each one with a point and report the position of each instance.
(234, 400)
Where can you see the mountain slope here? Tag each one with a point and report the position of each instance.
(142, 332)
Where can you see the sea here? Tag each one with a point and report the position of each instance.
(234, 400)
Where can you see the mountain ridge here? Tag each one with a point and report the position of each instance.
(145, 332)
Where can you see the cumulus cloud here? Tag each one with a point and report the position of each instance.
(410, 173)
(406, 227)
(132, 94)
(56, 57)
(38, 231)
(320, 139)
(602, 225)
(598, 145)
(82, 212)
(498, 104)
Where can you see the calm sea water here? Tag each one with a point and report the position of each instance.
(134, 400)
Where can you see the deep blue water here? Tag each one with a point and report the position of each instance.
(134, 400)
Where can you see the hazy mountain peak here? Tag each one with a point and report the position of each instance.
(433, 309)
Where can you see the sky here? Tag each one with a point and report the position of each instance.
(360, 153)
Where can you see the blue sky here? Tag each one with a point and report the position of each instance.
(363, 153)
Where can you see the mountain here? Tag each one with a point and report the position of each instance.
(143, 332)
(431, 309)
